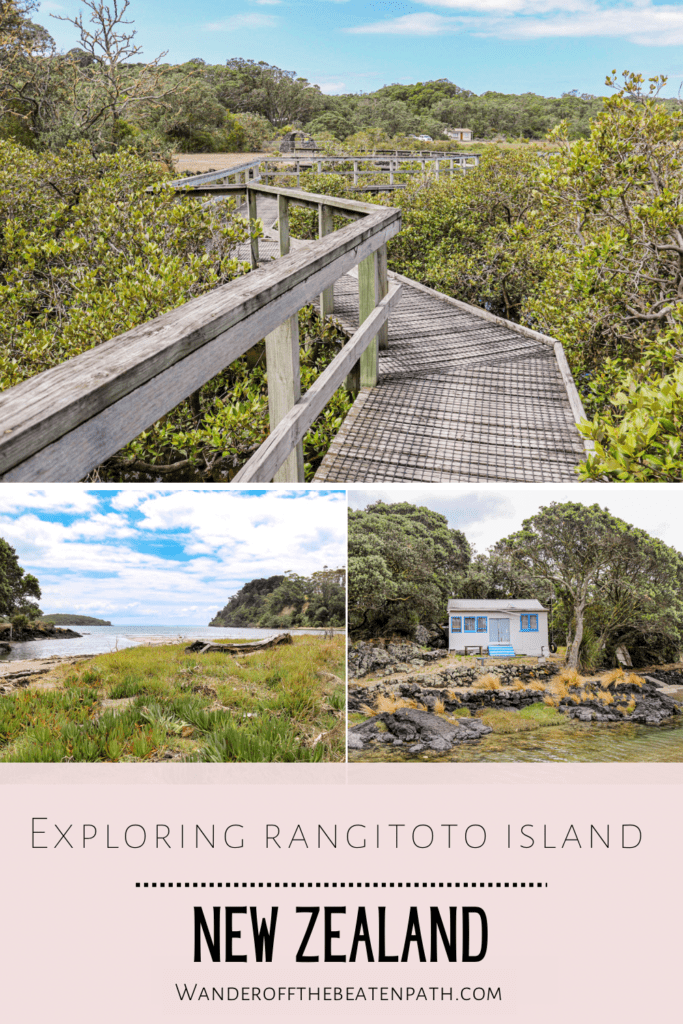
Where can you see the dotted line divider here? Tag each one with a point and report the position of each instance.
(341, 885)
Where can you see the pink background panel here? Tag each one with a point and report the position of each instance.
(81, 942)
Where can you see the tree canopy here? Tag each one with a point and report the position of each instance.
(288, 600)
(404, 563)
(613, 582)
(19, 590)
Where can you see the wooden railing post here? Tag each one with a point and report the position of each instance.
(355, 172)
(284, 389)
(382, 290)
(283, 224)
(251, 205)
(326, 227)
(282, 365)
(368, 296)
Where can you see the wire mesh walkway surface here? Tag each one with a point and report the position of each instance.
(458, 398)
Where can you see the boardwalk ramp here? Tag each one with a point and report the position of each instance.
(462, 395)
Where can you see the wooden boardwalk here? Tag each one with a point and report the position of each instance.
(461, 396)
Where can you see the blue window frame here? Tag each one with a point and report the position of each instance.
(456, 624)
(482, 624)
(470, 624)
(528, 623)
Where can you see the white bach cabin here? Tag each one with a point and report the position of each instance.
(505, 628)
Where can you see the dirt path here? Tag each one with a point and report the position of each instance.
(198, 163)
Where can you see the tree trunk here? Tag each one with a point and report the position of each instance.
(573, 649)
(203, 647)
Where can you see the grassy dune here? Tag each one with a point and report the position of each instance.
(158, 703)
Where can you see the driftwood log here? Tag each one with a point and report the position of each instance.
(202, 647)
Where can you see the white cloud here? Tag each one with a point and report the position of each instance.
(511, 6)
(489, 513)
(330, 88)
(639, 21)
(238, 21)
(59, 497)
(166, 556)
(408, 25)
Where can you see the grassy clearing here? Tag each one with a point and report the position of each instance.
(535, 716)
(158, 703)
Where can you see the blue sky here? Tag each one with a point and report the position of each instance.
(165, 556)
(542, 46)
(489, 513)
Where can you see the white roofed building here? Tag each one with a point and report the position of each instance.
(503, 628)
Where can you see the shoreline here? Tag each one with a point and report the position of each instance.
(26, 668)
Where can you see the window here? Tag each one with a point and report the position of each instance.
(528, 623)
(470, 624)
(456, 624)
(482, 625)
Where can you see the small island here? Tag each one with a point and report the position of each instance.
(66, 619)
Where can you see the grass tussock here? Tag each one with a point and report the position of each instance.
(278, 705)
(386, 704)
(489, 681)
(615, 676)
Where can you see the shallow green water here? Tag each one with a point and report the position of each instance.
(578, 741)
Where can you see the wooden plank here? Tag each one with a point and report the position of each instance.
(37, 412)
(284, 390)
(326, 227)
(313, 200)
(198, 179)
(578, 411)
(263, 465)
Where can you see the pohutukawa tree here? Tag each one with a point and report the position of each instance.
(595, 562)
(19, 590)
(404, 564)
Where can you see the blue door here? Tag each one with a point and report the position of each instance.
(499, 631)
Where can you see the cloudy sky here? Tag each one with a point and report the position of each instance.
(165, 556)
(488, 513)
(543, 46)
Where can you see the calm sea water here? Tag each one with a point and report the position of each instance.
(103, 639)
(579, 741)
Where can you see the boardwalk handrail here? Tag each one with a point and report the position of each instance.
(62, 423)
(380, 165)
(249, 170)
(291, 430)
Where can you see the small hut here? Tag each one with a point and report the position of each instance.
(501, 628)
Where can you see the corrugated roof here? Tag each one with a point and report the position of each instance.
(516, 605)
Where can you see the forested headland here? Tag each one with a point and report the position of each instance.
(605, 582)
(580, 238)
(288, 600)
(65, 619)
